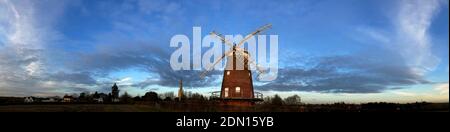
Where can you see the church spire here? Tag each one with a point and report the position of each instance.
(180, 91)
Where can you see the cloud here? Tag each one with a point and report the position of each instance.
(355, 73)
(21, 53)
(442, 88)
(373, 34)
(22, 37)
(27, 57)
(77, 78)
(404, 93)
(139, 55)
(413, 22)
(157, 6)
(404, 56)
(26, 31)
(28, 52)
(141, 17)
(127, 79)
(410, 36)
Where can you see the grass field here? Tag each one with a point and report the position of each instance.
(204, 107)
(80, 108)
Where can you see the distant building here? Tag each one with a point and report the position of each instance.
(180, 91)
(99, 98)
(49, 100)
(115, 93)
(67, 98)
(28, 100)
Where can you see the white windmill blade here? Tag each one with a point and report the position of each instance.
(259, 69)
(203, 74)
(239, 49)
(220, 36)
(259, 30)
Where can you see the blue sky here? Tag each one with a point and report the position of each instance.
(330, 51)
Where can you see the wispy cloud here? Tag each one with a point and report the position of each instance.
(404, 93)
(442, 88)
(141, 55)
(401, 58)
(413, 24)
(410, 36)
(356, 73)
(22, 50)
(27, 32)
(133, 35)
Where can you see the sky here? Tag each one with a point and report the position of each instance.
(330, 51)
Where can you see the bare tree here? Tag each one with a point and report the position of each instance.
(276, 100)
(126, 98)
(293, 100)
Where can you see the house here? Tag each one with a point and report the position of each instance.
(28, 100)
(48, 100)
(67, 98)
(115, 100)
(98, 100)
(100, 97)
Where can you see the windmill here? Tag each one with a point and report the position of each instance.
(237, 84)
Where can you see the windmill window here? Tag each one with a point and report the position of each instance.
(228, 72)
(238, 90)
(226, 92)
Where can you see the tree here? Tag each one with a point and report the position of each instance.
(167, 95)
(293, 100)
(150, 96)
(167, 99)
(187, 94)
(108, 98)
(137, 98)
(96, 95)
(276, 100)
(84, 97)
(126, 98)
(74, 95)
(267, 100)
(196, 97)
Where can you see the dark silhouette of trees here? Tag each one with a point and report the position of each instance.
(167, 99)
(197, 97)
(126, 98)
(96, 95)
(150, 96)
(293, 100)
(85, 97)
(137, 98)
(168, 96)
(276, 100)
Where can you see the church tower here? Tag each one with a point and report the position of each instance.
(180, 91)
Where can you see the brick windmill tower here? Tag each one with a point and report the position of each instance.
(237, 83)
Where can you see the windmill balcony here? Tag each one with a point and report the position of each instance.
(257, 96)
